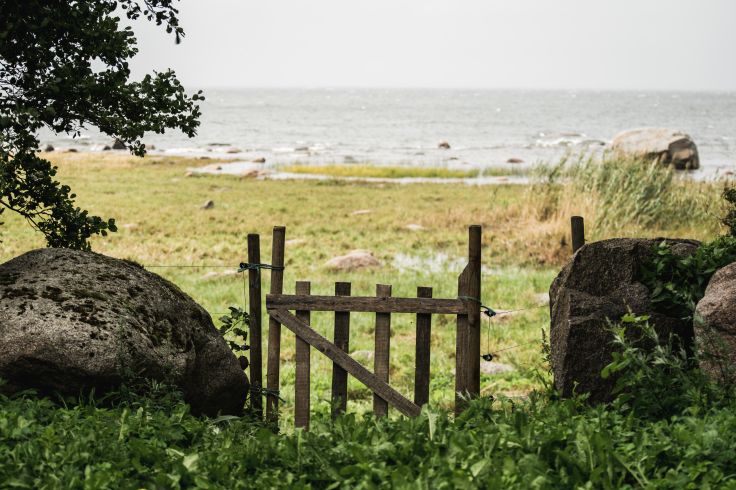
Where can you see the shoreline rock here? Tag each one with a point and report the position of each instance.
(660, 145)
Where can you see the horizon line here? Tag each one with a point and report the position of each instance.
(459, 88)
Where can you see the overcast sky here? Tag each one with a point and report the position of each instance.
(541, 44)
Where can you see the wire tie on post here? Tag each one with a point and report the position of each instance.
(487, 310)
(246, 266)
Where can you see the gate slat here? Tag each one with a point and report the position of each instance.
(382, 350)
(369, 304)
(302, 381)
(342, 359)
(461, 347)
(423, 342)
(342, 341)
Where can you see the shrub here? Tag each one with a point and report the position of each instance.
(655, 377)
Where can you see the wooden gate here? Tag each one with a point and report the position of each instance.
(466, 306)
(280, 306)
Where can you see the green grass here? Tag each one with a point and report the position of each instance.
(386, 172)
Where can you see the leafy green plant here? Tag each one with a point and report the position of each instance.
(729, 220)
(677, 283)
(505, 444)
(655, 377)
(234, 329)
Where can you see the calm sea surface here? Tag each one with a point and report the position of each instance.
(483, 128)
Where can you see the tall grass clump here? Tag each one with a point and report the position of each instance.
(618, 196)
(624, 192)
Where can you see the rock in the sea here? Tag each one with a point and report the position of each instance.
(118, 145)
(259, 160)
(600, 284)
(73, 321)
(72, 150)
(443, 145)
(356, 259)
(666, 146)
(106, 148)
(715, 326)
(49, 148)
(514, 160)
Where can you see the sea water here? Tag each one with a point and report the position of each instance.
(404, 127)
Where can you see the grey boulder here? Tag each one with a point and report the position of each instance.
(715, 326)
(71, 321)
(599, 286)
(666, 146)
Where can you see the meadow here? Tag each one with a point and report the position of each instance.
(517, 441)
(158, 206)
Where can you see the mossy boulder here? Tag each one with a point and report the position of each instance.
(71, 321)
(596, 288)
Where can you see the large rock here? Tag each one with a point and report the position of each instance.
(715, 325)
(355, 259)
(600, 284)
(72, 320)
(666, 146)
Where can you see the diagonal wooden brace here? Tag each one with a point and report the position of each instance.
(342, 359)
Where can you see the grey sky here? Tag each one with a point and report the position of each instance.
(564, 44)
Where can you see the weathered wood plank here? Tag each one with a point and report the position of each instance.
(366, 304)
(342, 341)
(474, 324)
(274, 328)
(577, 225)
(255, 315)
(302, 380)
(467, 353)
(382, 350)
(422, 358)
(341, 358)
(461, 347)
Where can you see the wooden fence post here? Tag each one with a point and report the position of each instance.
(254, 313)
(577, 225)
(302, 381)
(341, 340)
(274, 327)
(382, 350)
(423, 342)
(467, 344)
(474, 280)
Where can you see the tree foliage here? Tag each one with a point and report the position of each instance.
(64, 65)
